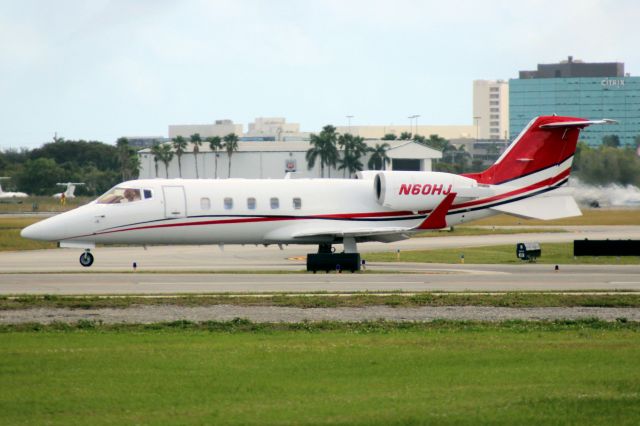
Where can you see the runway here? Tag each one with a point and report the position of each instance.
(422, 278)
(187, 269)
(207, 258)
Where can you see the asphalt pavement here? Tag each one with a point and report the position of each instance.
(183, 269)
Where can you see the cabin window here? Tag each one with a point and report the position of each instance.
(275, 203)
(251, 203)
(147, 194)
(297, 203)
(205, 203)
(119, 195)
(228, 203)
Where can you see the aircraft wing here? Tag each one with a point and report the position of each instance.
(435, 220)
(360, 232)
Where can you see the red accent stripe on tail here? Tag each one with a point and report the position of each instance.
(535, 149)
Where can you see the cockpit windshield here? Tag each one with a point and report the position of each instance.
(120, 195)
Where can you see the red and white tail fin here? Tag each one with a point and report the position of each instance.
(546, 142)
(535, 164)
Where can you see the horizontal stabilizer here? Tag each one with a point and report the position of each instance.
(580, 123)
(544, 208)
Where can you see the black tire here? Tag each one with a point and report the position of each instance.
(86, 259)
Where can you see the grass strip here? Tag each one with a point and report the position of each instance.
(467, 231)
(512, 300)
(243, 325)
(552, 253)
(387, 373)
(619, 216)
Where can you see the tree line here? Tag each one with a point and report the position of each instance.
(326, 146)
(164, 153)
(101, 166)
(607, 163)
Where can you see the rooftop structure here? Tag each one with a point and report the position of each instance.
(576, 68)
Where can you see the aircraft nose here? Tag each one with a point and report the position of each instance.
(35, 232)
(29, 232)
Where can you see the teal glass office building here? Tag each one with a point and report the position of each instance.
(616, 98)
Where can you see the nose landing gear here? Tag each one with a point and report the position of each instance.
(86, 258)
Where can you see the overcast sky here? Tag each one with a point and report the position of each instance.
(102, 69)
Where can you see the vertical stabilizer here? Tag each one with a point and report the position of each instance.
(546, 142)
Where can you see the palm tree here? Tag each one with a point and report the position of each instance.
(353, 149)
(166, 157)
(437, 142)
(230, 145)
(323, 146)
(462, 158)
(124, 156)
(162, 152)
(215, 143)
(196, 140)
(134, 165)
(180, 145)
(157, 154)
(379, 158)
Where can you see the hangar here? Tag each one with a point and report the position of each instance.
(259, 160)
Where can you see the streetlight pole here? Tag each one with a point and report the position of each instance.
(349, 117)
(477, 118)
(411, 117)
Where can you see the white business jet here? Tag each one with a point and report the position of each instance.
(69, 191)
(11, 194)
(383, 206)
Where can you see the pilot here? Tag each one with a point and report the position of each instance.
(131, 195)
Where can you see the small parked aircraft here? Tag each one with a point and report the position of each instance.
(386, 206)
(11, 194)
(69, 191)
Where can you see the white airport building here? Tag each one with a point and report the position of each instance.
(378, 132)
(491, 109)
(260, 160)
(218, 128)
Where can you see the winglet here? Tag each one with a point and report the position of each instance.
(580, 123)
(438, 217)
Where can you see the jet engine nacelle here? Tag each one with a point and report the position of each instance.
(417, 191)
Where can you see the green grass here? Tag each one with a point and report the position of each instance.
(465, 231)
(552, 253)
(515, 299)
(43, 204)
(372, 373)
(627, 216)
(10, 239)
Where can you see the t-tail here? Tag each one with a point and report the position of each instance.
(528, 174)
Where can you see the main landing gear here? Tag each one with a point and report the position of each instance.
(327, 260)
(86, 258)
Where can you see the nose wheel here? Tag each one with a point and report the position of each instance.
(86, 259)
